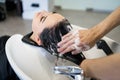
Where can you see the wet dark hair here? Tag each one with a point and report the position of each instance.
(51, 36)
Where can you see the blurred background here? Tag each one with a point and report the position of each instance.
(16, 15)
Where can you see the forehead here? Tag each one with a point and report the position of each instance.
(53, 19)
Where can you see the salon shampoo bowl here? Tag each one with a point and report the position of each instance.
(31, 62)
(31, 66)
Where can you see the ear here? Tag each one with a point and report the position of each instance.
(38, 41)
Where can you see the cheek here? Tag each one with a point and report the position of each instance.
(36, 26)
(38, 29)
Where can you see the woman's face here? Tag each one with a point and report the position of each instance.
(44, 20)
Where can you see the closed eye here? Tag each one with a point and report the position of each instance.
(43, 19)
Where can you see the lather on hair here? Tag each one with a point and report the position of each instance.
(51, 36)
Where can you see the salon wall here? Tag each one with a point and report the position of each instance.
(99, 5)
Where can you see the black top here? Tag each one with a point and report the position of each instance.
(6, 71)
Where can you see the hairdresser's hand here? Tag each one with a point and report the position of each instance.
(77, 41)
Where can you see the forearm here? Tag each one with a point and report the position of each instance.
(112, 21)
(107, 68)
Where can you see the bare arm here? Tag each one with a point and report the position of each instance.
(90, 36)
(110, 22)
(106, 68)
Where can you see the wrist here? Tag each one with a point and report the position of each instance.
(84, 67)
(98, 32)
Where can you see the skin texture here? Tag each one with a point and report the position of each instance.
(106, 68)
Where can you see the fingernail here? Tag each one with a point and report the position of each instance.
(72, 52)
(58, 44)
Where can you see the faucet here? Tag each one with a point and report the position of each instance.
(75, 73)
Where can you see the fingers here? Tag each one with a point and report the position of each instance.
(67, 35)
(71, 43)
(64, 48)
(65, 39)
(75, 49)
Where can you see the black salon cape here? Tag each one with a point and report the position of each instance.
(6, 72)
